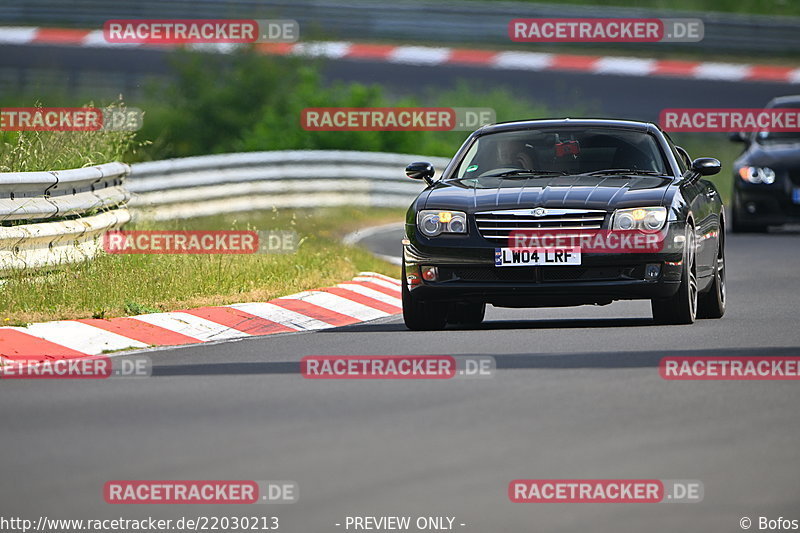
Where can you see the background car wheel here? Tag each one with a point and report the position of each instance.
(418, 315)
(712, 304)
(682, 307)
(466, 314)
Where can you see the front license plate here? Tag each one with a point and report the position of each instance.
(796, 195)
(510, 257)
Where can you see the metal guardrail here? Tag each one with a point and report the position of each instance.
(405, 20)
(50, 218)
(208, 185)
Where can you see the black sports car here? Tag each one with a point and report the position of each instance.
(546, 179)
(766, 177)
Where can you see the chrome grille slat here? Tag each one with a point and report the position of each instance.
(494, 228)
(515, 220)
(494, 225)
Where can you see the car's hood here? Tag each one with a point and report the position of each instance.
(577, 192)
(784, 155)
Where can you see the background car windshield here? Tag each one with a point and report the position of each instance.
(769, 137)
(561, 150)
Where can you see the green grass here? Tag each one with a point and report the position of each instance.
(29, 151)
(117, 285)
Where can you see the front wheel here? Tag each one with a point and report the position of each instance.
(419, 315)
(682, 307)
(712, 304)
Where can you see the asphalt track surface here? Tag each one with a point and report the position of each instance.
(577, 395)
(585, 94)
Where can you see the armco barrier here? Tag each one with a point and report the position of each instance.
(49, 218)
(207, 185)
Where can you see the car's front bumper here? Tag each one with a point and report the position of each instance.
(769, 205)
(470, 275)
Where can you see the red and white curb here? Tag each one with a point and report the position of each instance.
(366, 297)
(434, 56)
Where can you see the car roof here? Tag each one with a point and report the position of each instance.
(783, 100)
(518, 125)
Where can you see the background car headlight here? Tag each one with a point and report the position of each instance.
(432, 222)
(757, 175)
(640, 218)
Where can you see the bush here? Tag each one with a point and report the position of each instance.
(249, 102)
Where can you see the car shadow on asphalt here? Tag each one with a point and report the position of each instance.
(558, 323)
(504, 362)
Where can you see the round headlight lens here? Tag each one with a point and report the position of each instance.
(457, 226)
(430, 226)
(625, 221)
(653, 221)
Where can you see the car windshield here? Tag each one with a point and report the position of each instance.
(780, 137)
(561, 151)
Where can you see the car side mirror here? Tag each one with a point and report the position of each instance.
(706, 166)
(421, 171)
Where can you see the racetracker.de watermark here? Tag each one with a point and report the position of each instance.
(744, 120)
(730, 368)
(606, 30)
(100, 367)
(200, 242)
(200, 492)
(589, 241)
(196, 31)
(70, 119)
(605, 491)
(396, 366)
(395, 118)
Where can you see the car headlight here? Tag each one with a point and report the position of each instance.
(432, 222)
(757, 175)
(640, 218)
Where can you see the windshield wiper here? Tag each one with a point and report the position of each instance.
(614, 171)
(526, 172)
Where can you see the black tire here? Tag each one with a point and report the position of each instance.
(712, 304)
(466, 314)
(682, 307)
(418, 315)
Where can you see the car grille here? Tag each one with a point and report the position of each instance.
(540, 274)
(496, 226)
(794, 175)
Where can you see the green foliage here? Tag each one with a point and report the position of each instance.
(249, 102)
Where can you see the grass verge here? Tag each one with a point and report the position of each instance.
(119, 285)
(31, 151)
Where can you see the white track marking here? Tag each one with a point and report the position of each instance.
(191, 326)
(721, 71)
(372, 293)
(278, 314)
(419, 55)
(522, 61)
(339, 304)
(80, 337)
